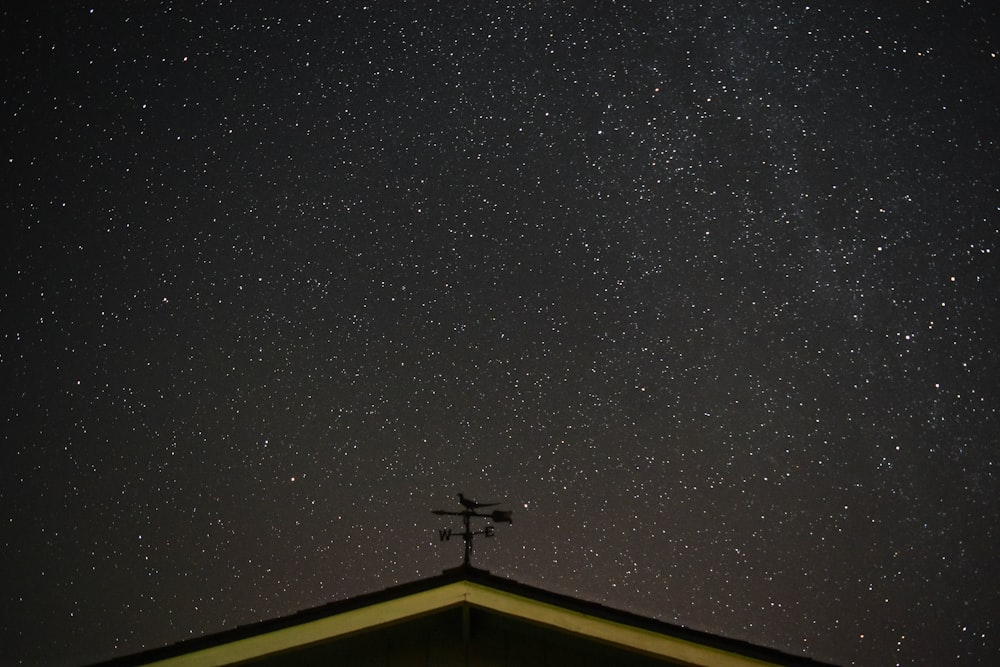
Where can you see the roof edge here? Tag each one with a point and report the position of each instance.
(454, 587)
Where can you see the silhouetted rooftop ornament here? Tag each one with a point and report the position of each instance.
(471, 507)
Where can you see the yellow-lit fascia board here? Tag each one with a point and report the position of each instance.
(450, 595)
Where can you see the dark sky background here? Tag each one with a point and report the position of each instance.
(706, 294)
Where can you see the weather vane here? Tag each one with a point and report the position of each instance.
(471, 507)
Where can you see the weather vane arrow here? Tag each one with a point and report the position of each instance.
(471, 509)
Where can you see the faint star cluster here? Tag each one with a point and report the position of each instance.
(707, 293)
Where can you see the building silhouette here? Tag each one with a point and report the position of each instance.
(464, 616)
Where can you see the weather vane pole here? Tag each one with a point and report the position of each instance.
(471, 507)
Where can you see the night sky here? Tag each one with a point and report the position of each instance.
(707, 295)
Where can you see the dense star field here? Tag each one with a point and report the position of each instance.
(707, 295)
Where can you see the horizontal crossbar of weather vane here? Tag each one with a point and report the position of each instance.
(500, 516)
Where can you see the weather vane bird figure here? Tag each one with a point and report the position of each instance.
(470, 511)
(472, 504)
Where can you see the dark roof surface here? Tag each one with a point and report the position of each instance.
(455, 575)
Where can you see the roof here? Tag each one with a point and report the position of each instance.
(463, 588)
